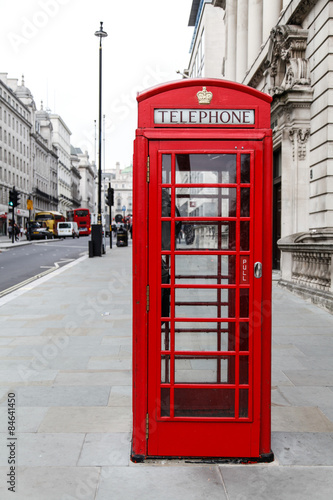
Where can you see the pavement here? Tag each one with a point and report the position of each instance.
(65, 352)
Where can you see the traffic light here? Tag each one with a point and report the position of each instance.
(17, 197)
(14, 198)
(109, 198)
(11, 198)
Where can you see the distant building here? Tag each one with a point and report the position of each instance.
(75, 179)
(87, 171)
(44, 163)
(122, 183)
(15, 129)
(61, 140)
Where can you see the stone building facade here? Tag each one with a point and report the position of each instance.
(122, 182)
(61, 140)
(15, 130)
(284, 48)
(87, 171)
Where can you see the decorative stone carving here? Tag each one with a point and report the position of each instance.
(291, 137)
(302, 137)
(288, 67)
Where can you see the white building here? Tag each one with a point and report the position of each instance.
(87, 171)
(44, 161)
(283, 47)
(61, 140)
(122, 183)
(15, 127)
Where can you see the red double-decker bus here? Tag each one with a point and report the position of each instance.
(82, 217)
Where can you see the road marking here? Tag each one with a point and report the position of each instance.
(37, 280)
(49, 269)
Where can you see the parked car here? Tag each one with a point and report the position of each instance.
(68, 229)
(39, 231)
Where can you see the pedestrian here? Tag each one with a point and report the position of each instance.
(17, 232)
(10, 229)
(21, 231)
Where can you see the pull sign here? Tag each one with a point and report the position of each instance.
(244, 270)
(257, 270)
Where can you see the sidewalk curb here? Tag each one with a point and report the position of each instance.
(38, 281)
(10, 246)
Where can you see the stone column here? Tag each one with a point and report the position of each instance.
(270, 14)
(231, 12)
(242, 40)
(254, 30)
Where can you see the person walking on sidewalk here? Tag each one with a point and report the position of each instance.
(17, 232)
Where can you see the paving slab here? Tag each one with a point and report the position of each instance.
(28, 418)
(300, 419)
(162, 483)
(303, 448)
(63, 396)
(310, 378)
(52, 483)
(121, 396)
(106, 449)
(98, 377)
(308, 396)
(87, 419)
(49, 450)
(277, 483)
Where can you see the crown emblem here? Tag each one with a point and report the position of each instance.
(204, 97)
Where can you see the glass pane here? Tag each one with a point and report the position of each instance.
(165, 369)
(243, 336)
(165, 402)
(243, 403)
(206, 202)
(245, 169)
(198, 402)
(166, 169)
(165, 269)
(166, 212)
(205, 235)
(204, 303)
(243, 302)
(205, 269)
(165, 336)
(245, 202)
(201, 336)
(200, 370)
(244, 235)
(206, 169)
(243, 369)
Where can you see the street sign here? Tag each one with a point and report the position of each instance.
(30, 205)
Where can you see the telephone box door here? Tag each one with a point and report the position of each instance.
(204, 275)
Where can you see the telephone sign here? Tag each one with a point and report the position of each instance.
(202, 229)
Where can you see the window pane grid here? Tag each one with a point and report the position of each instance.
(226, 365)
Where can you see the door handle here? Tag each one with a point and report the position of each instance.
(258, 270)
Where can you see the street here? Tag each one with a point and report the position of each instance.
(24, 262)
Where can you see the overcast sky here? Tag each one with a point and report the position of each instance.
(52, 43)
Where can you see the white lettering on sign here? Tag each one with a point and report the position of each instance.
(244, 269)
(204, 117)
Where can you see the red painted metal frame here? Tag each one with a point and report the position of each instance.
(182, 95)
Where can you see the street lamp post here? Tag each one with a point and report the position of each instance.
(96, 230)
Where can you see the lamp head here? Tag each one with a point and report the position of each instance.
(101, 33)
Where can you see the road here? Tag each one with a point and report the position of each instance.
(24, 262)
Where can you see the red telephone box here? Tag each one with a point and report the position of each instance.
(202, 272)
